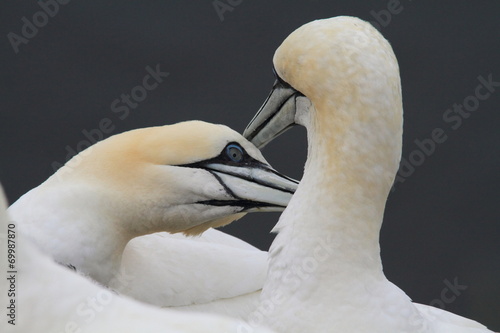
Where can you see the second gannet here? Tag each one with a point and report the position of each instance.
(340, 79)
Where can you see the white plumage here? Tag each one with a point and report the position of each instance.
(193, 273)
(325, 272)
(185, 178)
(51, 298)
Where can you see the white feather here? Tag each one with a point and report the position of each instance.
(51, 298)
(141, 182)
(325, 272)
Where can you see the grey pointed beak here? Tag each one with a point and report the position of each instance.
(275, 116)
(255, 188)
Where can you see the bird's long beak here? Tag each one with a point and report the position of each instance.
(254, 187)
(275, 116)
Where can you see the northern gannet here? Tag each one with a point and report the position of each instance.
(52, 298)
(339, 78)
(185, 177)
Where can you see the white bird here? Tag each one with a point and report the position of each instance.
(51, 298)
(186, 178)
(213, 273)
(340, 79)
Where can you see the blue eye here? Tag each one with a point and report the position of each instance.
(234, 152)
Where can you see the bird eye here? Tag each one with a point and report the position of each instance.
(234, 152)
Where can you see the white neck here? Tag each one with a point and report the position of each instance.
(326, 254)
(75, 226)
(340, 202)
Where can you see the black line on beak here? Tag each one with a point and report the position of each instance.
(271, 117)
(270, 112)
(256, 181)
(239, 202)
(245, 204)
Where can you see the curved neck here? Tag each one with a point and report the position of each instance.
(353, 156)
(328, 237)
(80, 234)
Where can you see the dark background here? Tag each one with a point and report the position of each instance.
(441, 223)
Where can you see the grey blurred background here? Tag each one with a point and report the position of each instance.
(442, 222)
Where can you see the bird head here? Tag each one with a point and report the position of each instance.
(340, 68)
(185, 177)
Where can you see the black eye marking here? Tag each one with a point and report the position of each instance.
(281, 82)
(234, 152)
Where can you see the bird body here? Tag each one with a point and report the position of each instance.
(52, 298)
(214, 265)
(340, 79)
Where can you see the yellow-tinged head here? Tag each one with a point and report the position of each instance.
(185, 177)
(340, 78)
(338, 56)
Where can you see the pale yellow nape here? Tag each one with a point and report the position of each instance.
(132, 164)
(121, 155)
(350, 74)
(332, 56)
